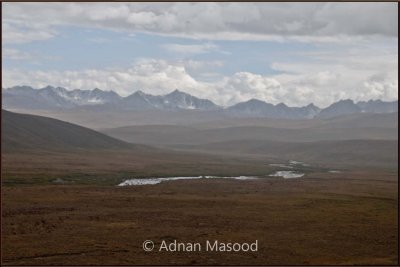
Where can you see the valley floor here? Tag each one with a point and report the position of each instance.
(338, 218)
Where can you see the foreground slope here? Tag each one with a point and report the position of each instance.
(21, 131)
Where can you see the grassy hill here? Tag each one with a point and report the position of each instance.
(183, 135)
(368, 140)
(338, 153)
(30, 132)
(37, 150)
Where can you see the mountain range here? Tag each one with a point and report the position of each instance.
(56, 98)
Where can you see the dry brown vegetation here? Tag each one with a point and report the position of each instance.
(348, 218)
(108, 167)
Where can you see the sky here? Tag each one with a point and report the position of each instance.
(295, 53)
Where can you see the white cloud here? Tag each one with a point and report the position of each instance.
(380, 86)
(21, 32)
(32, 57)
(243, 86)
(190, 49)
(152, 76)
(354, 53)
(325, 22)
(306, 85)
(99, 40)
(15, 54)
(201, 64)
(333, 74)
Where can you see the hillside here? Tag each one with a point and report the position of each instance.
(40, 150)
(348, 140)
(341, 153)
(184, 135)
(22, 131)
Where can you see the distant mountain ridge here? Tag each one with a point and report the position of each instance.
(55, 97)
(257, 108)
(175, 100)
(25, 97)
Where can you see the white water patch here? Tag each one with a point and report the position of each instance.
(240, 178)
(139, 182)
(294, 162)
(334, 171)
(287, 174)
(152, 181)
(281, 165)
(290, 165)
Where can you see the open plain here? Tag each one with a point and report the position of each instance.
(325, 218)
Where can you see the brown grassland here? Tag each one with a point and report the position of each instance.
(347, 218)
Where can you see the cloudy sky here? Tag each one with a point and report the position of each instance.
(227, 52)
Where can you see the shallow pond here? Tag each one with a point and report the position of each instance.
(150, 181)
(287, 174)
